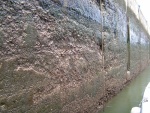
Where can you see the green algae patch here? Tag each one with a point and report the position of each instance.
(51, 104)
(31, 36)
(1, 38)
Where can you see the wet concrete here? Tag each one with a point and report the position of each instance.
(57, 57)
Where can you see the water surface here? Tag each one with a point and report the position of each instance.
(131, 96)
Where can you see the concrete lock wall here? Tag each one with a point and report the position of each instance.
(67, 56)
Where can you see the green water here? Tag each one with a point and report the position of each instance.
(131, 96)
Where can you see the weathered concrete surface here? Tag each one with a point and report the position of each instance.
(51, 54)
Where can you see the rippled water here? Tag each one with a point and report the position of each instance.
(131, 96)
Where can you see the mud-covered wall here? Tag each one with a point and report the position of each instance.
(139, 39)
(65, 55)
